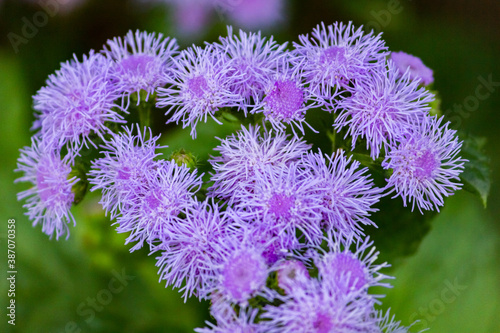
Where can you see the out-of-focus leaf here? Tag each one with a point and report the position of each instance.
(476, 176)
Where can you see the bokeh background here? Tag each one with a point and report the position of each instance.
(451, 284)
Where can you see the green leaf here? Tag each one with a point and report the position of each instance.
(477, 173)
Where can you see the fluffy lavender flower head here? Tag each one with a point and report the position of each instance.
(336, 56)
(425, 165)
(317, 307)
(248, 151)
(141, 61)
(123, 170)
(197, 87)
(254, 61)
(286, 99)
(348, 193)
(244, 322)
(169, 190)
(283, 200)
(414, 65)
(291, 274)
(382, 108)
(193, 249)
(77, 101)
(50, 198)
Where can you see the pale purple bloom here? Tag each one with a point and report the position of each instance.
(244, 322)
(348, 194)
(254, 60)
(337, 55)
(49, 199)
(316, 306)
(382, 108)
(418, 71)
(285, 201)
(122, 172)
(425, 165)
(77, 102)
(198, 87)
(248, 151)
(192, 252)
(141, 61)
(168, 190)
(286, 99)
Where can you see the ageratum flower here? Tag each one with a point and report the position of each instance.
(382, 108)
(253, 59)
(286, 99)
(350, 270)
(291, 274)
(141, 61)
(348, 193)
(283, 200)
(77, 102)
(425, 165)
(316, 306)
(49, 199)
(418, 71)
(192, 251)
(198, 87)
(242, 323)
(337, 55)
(122, 172)
(169, 190)
(247, 151)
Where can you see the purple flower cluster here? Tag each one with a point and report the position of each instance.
(274, 221)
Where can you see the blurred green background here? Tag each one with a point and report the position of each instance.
(452, 284)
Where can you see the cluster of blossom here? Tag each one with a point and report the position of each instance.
(277, 240)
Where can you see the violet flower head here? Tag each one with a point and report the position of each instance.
(382, 108)
(418, 71)
(192, 252)
(168, 191)
(253, 59)
(283, 200)
(425, 165)
(337, 55)
(286, 99)
(124, 169)
(197, 87)
(244, 153)
(76, 102)
(141, 61)
(317, 307)
(291, 274)
(348, 194)
(49, 200)
(244, 322)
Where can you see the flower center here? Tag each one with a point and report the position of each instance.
(197, 86)
(136, 63)
(332, 55)
(322, 323)
(285, 99)
(342, 264)
(280, 205)
(425, 165)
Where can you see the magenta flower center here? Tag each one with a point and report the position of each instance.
(197, 86)
(280, 205)
(322, 323)
(285, 99)
(426, 164)
(136, 63)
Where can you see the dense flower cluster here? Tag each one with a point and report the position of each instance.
(277, 221)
